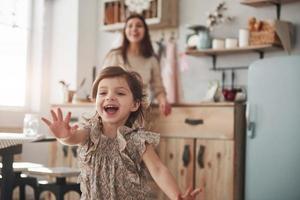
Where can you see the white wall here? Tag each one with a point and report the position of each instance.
(73, 45)
(87, 44)
(64, 44)
(194, 81)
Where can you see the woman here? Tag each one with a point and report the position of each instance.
(136, 53)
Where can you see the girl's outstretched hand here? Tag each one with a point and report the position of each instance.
(60, 126)
(190, 194)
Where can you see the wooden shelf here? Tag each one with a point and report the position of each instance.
(215, 52)
(153, 22)
(260, 3)
(161, 14)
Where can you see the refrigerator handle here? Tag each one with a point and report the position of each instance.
(250, 124)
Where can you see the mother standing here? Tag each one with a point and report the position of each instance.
(136, 53)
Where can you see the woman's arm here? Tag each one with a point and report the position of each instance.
(61, 129)
(163, 177)
(164, 106)
(159, 89)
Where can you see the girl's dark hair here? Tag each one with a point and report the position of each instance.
(145, 45)
(135, 84)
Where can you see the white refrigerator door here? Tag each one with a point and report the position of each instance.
(273, 143)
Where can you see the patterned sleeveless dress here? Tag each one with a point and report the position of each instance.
(112, 168)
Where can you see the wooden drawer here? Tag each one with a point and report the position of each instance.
(197, 122)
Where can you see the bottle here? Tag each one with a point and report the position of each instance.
(31, 125)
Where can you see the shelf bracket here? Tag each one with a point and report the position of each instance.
(214, 62)
(278, 9)
(215, 68)
(230, 68)
(261, 54)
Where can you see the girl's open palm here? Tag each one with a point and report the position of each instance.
(60, 127)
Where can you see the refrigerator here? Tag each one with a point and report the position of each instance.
(272, 170)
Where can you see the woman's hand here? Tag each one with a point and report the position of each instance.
(190, 194)
(164, 106)
(60, 127)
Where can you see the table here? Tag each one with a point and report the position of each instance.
(11, 144)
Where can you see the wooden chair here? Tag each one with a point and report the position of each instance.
(21, 179)
(60, 187)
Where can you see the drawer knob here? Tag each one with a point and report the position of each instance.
(193, 121)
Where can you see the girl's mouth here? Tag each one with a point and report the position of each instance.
(111, 109)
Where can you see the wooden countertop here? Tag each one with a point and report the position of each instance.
(91, 104)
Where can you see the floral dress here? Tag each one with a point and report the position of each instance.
(112, 168)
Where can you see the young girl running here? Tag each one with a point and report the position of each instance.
(115, 158)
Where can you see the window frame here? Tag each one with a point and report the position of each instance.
(28, 68)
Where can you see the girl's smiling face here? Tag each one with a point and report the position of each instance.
(114, 101)
(135, 30)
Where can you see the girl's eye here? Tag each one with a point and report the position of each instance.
(102, 93)
(121, 93)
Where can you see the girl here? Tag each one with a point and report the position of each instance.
(136, 53)
(115, 158)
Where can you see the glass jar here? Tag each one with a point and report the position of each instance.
(31, 124)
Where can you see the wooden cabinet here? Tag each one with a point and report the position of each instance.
(203, 146)
(160, 14)
(171, 151)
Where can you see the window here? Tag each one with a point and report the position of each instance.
(14, 40)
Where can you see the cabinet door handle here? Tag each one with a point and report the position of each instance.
(65, 149)
(193, 121)
(186, 155)
(200, 156)
(74, 119)
(74, 151)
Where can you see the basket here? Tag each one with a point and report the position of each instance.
(264, 37)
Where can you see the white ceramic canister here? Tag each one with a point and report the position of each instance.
(231, 43)
(218, 43)
(243, 37)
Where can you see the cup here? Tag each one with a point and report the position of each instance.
(31, 124)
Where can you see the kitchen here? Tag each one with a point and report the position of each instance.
(69, 41)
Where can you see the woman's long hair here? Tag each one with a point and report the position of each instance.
(146, 48)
